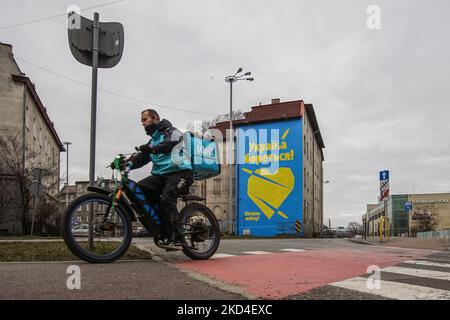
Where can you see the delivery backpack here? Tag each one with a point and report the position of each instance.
(203, 154)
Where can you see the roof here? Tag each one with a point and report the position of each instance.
(276, 111)
(263, 113)
(41, 108)
(315, 125)
(70, 189)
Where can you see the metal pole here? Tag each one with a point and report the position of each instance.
(67, 175)
(230, 188)
(93, 122)
(34, 215)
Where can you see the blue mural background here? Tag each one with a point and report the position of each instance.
(269, 202)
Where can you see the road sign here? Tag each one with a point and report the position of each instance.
(408, 205)
(384, 175)
(39, 173)
(110, 41)
(36, 189)
(384, 184)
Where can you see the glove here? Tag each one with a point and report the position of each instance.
(121, 165)
(146, 149)
(132, 160)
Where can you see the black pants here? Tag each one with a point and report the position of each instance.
(167, 188)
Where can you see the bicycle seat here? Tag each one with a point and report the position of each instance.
(191, 197)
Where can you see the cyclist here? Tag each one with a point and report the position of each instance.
(169, 179)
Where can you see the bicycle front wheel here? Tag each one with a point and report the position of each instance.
(111, 229)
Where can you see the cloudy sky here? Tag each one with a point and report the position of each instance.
(381, 96)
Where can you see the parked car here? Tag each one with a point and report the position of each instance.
(140, 232)
(82, 230)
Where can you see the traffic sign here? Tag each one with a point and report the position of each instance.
(81, 41)
(39, 173)
(384, 175)
(36, 189)
(408, 205)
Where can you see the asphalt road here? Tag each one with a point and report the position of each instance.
(295, 269)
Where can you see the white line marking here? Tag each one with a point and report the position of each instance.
(428, 263)
(394, 290)
(257, 252)
(292, 250)
(419, 273)
(222, 255)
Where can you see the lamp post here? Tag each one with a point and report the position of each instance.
(67, 143)
(231, 79)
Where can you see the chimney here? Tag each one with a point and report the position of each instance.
(275, 100)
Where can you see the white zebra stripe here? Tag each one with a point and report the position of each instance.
(394, 290)
(431, 274)
(222, 255)
(428, 263)
(292, 250)
(257, 252)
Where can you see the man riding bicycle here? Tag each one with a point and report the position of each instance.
(168, 180)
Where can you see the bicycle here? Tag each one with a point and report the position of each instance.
(112, 212)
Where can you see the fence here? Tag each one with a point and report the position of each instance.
(434, 234)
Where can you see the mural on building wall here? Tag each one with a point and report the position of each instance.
(269, 181)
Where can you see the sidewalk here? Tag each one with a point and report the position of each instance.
(119, 280)
(441, 244)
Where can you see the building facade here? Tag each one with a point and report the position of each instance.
(26, 122)
(277, 179)
(402, 213)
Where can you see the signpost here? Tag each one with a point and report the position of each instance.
(99, 45)
(384, 195)
(36, 190)
(384, 184)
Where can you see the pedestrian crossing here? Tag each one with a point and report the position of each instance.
(421, 279)
(226, 255)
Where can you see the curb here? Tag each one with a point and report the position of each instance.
(363, 242)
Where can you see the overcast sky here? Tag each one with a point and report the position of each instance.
(381, 96)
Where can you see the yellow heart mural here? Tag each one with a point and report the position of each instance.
(269, 190)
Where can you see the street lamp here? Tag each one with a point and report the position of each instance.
(231, 79)
(67, 143)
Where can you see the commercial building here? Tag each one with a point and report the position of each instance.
(29, 134)
(403, 214)
(277, 172)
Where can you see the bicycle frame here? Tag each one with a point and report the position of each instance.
(134, 201)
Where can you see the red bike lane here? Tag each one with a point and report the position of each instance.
(278, 275)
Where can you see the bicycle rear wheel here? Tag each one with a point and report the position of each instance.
(203, 230)
(111, 237)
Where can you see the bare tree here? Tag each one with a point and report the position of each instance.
(17, 166)
(47, 218)
(425, 219)
(8, 201)
(354, 227)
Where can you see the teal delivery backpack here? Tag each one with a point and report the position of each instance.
(203, 154)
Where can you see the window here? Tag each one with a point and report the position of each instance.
(307, 150)
(304, 144)
(217, 186)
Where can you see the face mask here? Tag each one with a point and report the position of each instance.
(151, 128)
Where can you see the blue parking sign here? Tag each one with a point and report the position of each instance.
(408, 206)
